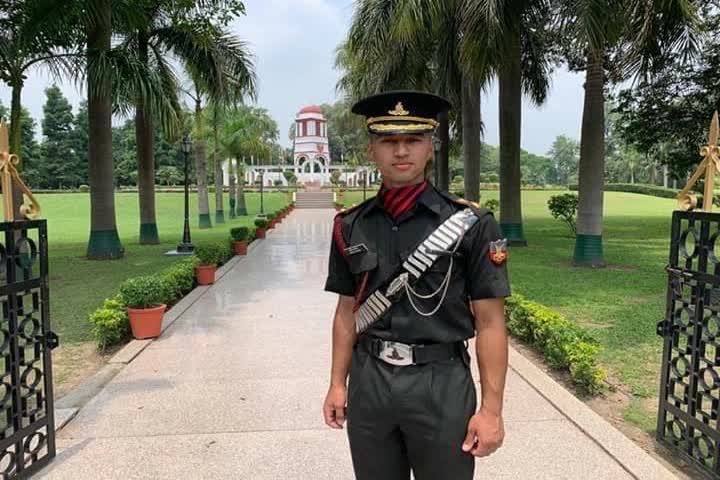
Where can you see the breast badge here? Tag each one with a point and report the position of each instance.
(498, 251)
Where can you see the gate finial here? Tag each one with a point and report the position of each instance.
(8, 172)
(709, 166)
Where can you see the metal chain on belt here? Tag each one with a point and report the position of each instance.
(443, 286)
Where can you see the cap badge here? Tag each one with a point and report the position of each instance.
(498, 251)
(399, 110)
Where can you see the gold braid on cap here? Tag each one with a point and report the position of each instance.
(430, 121)
(386, 127)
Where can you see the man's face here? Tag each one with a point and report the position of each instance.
(401, 158)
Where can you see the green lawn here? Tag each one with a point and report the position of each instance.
(620, 304)
(78, 286)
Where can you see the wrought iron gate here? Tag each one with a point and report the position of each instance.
(27, 430)
(690, 381)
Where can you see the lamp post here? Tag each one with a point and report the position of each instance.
(186, 247)
(364, 180)
(437, 145)
(262, 184)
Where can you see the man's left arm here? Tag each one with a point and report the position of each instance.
(487, 285)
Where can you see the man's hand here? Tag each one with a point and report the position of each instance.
(334, 407)
(485, 434)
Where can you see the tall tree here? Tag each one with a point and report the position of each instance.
(564, 157)
(190, 32)
(424, 37)
(104, 242)
(57, 147)
(34, 33)
(511, 36)
(611, 41)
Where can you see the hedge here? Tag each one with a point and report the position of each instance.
(110, 323)
(564, 344)
(645, 189)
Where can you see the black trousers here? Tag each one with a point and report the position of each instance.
(409, 417)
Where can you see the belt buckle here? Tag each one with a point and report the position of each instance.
(396, 353)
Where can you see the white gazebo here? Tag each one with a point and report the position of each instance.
(312, 163)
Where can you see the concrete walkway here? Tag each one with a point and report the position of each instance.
(234, 390)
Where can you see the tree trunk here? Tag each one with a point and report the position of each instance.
(443, 167)
(665, 176)
(472, 146)
(15, 139)
(15, 134)
(240, 206)
(510, 107)
(201, 170)
(588, 242)
(104, 241)
(231, 186)
(219, 184)
(145, 140)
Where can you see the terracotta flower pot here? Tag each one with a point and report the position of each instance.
(146, 322)
(260, 232)
(240, 248)
(205, 274)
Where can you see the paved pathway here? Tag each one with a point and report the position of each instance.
(234, 389)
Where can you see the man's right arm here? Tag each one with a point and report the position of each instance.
(342, 282)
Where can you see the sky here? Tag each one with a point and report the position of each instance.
(294, 45)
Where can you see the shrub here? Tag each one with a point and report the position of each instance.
(239, 234)
(212, 253)
(458, 179)
(110, 324)
(83, 188)
(564, 344)
(260, 223)
(563, 207)
(179, 279)
(145, 292)
(492, 205)
(459, 192)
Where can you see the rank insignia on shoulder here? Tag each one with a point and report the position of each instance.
(498, 251)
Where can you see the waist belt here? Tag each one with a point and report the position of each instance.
(397, 353)
(449, 233)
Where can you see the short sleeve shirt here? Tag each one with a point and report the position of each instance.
(387, 243)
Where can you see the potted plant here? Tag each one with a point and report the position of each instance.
(240, 236)
(261, 225)
(338, 206)
(270, 221)
(209, 256)
(146, 299)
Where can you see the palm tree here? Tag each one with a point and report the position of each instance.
(34, 33)
(511, 36)
(247, 131)
(220, 66)
(423, 37)
(104, 241)
(113, 76)
(624, 38)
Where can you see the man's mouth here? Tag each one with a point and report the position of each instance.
(402, 166)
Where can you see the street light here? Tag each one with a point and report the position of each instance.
(186, 247)
(437, 146)
(262, 184)
(364, 183)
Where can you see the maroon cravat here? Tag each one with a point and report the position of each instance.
(399, 200)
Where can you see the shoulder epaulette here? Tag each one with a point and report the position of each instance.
(474, 206)
(337, 225)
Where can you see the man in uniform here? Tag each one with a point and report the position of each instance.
(418, 272)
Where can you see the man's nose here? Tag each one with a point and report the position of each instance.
(401, 149)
